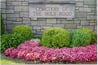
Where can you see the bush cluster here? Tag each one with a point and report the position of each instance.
(52, 37)
(58, 37)
(55, 37)
(20, 34)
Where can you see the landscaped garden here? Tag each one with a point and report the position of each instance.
(56, 45)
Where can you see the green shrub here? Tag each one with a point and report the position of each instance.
(71, 32)
(2, 29)
(24, 30)
(10, 40)
(55, 37)
(91, 32)
(80, 38)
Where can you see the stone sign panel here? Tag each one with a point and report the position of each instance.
(52, 10)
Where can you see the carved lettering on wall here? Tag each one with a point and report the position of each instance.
(52, 10)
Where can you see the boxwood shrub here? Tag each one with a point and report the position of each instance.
(10, 40)
(24, 30)
(79, 38)
(91, 32)
(55, 37)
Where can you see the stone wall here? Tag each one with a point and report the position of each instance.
(16, 12)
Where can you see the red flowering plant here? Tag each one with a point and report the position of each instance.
(8, 51)
(31, 50)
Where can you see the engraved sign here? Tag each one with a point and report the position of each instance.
(52, 10)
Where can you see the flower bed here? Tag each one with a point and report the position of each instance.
(30, 50)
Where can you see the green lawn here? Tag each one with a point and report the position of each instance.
(7, 60)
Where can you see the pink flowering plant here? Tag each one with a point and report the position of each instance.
(31, 50)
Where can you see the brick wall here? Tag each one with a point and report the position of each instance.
(16, 12)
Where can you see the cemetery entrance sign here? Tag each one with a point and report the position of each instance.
(49, 10)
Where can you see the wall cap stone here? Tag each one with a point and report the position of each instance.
(52, 1)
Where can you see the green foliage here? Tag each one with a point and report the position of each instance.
(91, 32)
(80, 38)
(55, 37)
(71, 32)
(24, 30)
(10, 40)
(2, 29)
